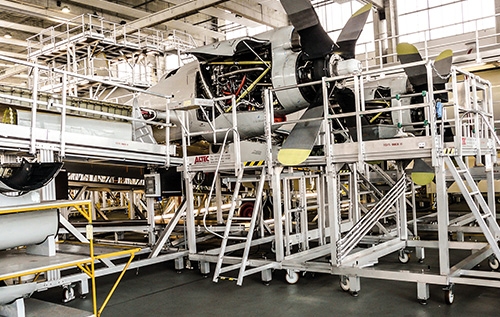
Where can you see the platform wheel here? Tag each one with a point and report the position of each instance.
(344, 283)
(493, 263)
(449, 295)
(291, 277)
(68, 294)
(403, 257)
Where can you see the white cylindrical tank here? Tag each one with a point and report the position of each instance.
(27, 228)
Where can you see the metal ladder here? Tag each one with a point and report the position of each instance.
(361, 228)
(476, 202)
(242, 266)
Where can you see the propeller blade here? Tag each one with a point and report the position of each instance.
(349, 35)
(417, 75)
(422, 174)
(315, 42)
(299, 144)
(442, 67)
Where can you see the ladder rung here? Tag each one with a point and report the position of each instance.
(366, 192)
(475, 193)
(242, 218)
(245, 199)
(486, 215)
(226, 278)
(258, 269)
(230, 268)
(237, 238)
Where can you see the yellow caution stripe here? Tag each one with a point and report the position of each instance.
(253, 163)
(449, 151)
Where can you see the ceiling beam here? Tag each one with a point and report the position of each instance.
(21, 43)
(176, 12)
(13, 55)
(222, 14)
(11, 71)
(50, 15)
(255, 11)
(20, 27)
(111, 7)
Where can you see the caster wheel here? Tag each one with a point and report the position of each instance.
(423, 302)
(68, 294)
(449, 296)
(354, 294)
(205, 276)
(266, 283)
(493, 263)
(292, 277)
(420, 261)
(344, 283)
(403, 257)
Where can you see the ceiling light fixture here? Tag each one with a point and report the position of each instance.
(66, 9)
(7, 35)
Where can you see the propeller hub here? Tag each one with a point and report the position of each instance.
(340, 67)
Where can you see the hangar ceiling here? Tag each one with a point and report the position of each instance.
(205, 20)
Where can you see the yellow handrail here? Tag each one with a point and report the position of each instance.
(84, 207)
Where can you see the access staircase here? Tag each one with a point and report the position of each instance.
(476, 202)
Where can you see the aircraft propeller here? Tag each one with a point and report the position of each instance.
(317, 45)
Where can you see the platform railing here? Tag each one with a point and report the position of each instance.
(60, 102)
(84, 207)
(469, 47)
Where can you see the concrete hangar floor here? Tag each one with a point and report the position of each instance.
(159, 290)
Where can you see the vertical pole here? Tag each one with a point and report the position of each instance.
(287, 214)
(131, 202)
(34, 109)
(403, 221)
(278, 222)
(218, 198)
(63, 113)
(150, 202)
(321, 209)
(442, 217)
(190, 225)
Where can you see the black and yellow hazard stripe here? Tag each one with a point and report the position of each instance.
(449, 151)
(253, 163)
